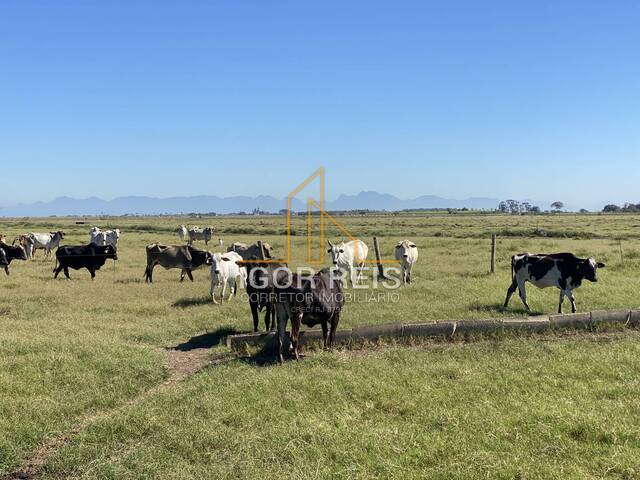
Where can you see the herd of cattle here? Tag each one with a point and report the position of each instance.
(309, 300)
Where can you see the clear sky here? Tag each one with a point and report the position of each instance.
(502, 99)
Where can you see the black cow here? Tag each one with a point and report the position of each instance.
(10, 253)
(92, 257)
(311, 300)
(184, 257)
(561, 270)
(261, 277)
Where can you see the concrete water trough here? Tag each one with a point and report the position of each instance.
(449, 329)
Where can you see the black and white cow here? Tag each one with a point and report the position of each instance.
(4, 263)
(92, 257)
(561, 270)
(9, 253)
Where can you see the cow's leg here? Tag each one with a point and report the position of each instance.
(6, 270)
(149, 273)
(189, 274)
(296, 321)
(223, 290)
(572, 299)
(353, 276)
(409, 273)
(512, 289)
(334, 326)
(561, 301)
(269, 316)
(213, 291)
(92, 272)
(254, 313)
(359, 269)
(282, 330)
(66, 273)
(523, 294)
(57, 271)
(325, 331)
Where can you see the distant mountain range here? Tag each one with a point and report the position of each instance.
(138, 205)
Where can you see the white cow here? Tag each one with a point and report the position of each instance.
(104, 237)
(183, 233)
(348, 255)
(225, 270)
(197, 233)
(46, 241)
(407, 255)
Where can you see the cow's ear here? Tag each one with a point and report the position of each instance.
(600, 265)
(398, 245)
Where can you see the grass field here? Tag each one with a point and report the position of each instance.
(97, 359)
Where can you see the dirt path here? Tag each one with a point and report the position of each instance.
(181, 365)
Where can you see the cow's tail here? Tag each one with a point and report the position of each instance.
(513, 267)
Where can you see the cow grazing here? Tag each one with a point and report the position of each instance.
(561, 270)
(260, 285)
(310, 300)
(104, 237)
(92, 257)
(184, 257)
(248, 252)
(10, 253)
(349, 257)
(46, 241)
(407, 254)
(197, 233)
(183, 233)
(226, 268)
(26, 242)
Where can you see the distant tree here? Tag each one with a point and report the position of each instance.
(535, 209)
(557, 206)
(611, 208)
(503, 207)
(584, 210)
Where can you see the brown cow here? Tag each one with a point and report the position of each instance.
(311, 300)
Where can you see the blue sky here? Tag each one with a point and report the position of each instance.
(501, 99)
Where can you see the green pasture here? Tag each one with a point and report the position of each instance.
(88, 353)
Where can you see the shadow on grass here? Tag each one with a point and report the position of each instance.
(264, 358)
(192, 302)
(497, 308)
(206, 340)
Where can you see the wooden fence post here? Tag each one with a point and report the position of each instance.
(494, 241)
(376, 248)
(262, 256)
